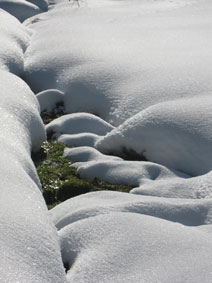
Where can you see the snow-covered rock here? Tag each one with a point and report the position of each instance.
(105, 237)
(13, 43)
(116, 58)
(177, 134)
(28, 242)
(77, 123)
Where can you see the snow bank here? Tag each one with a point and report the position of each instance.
(176, 134)
(28, 242)
(21, 9)
(105, 238)
(77, 123)
(13, 43)
(116, 58)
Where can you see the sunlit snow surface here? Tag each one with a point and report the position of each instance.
(28, 243)
(14, 40)
(115, 58)
(139, 76)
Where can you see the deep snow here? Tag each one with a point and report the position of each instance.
(138, 74)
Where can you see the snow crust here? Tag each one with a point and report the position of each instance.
(105, 238)
(13, 43)
(116, 58)
(28, 242)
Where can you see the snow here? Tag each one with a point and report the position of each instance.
(82, 139)
(105, 238)
(49, 99)
(185, 211)
(87, 154)
(135, 78)
(13, 43)
(28, 242)
(176, 134)
(116, 58)
(79, 122)
(21, 9)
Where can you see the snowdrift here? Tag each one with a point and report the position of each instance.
(28, 241)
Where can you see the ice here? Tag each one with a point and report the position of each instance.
(13, 43)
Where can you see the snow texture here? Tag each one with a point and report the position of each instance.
(105, 237)
(28, 242)
(116, 58)
(82, 139)
(177, 134)
(79, 122)
(49, 99)
(13, 43)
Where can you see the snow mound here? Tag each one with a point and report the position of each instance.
(177, 134)
(77, 123)
(185, 211)
(28, 242)
(49, 99)
(20, 9)
(131, 247)
(85, 154)
(119, 59)
(13, 43)
(146, 178)
(82, 139)
(192, 188)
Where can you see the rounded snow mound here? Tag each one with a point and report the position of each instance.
(79, 122)
(177, 134)
(13, 43)
(48, 99)
(82, 139)
(119, 242)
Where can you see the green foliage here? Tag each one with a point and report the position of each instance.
(60, 181)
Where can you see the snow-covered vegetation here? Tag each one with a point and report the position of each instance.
(131, 82)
